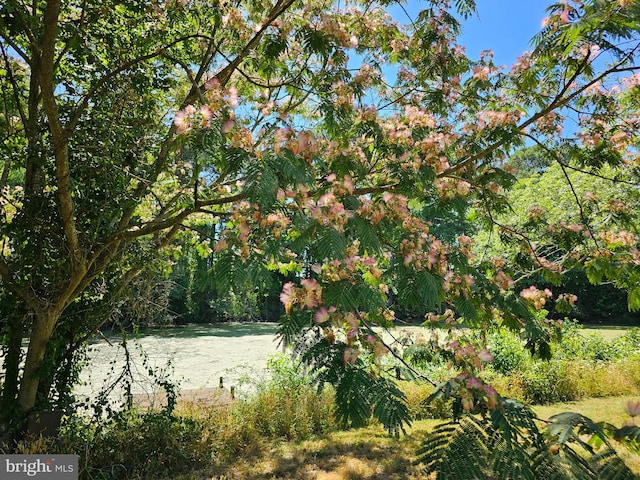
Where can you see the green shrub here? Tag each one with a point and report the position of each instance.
(285, 404)
(508, 350)
(424, 355)
(562, 380)
(137, 445)
(629, 343)
(417, 394)
(288, 413)
(550, 381)
(575, 344)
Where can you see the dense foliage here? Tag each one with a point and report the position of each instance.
(322, 144)
(557, 204)
(581, 366)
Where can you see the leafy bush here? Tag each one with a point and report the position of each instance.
(424, 355)
(550, 382)
(629, 343)
(575, 344)
(417, 395)
(564, 380)
(285, 404)
(508, 350)
(282, 404)
(582, 366)
(137, 445)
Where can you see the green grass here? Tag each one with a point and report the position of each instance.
(610, 409)
(608, 332)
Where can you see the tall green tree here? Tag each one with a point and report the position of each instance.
(98, 172)
(566, 211)
(442, 142)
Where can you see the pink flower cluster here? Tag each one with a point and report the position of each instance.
(308, 296)
(469, 355)
(450, 188)
(472, 390)
(424, 252)
(538, 298)
(620, 238)
(349, 267)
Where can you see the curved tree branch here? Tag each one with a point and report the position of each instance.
(559, 101)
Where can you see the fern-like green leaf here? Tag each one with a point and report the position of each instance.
(611, 467)
(366, 234)
(629, 434)
(353, 402)
(390, 406)
(465, 308)
(292, 327)
(509, 445)
(563, 425)
(330, 244)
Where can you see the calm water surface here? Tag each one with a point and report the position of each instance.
(194, 356)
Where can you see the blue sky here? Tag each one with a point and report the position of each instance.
(504, 26)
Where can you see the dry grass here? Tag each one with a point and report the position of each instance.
(362, 454)
(370, 454)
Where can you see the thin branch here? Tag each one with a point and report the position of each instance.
(597, 175)
(6, 274)
(199, 232)
(556, 156)
(15, 87)
(583, 217)
(557, 103)
(156, 226)
(223, 78)
(30, 36)
(508, 229)
(393, 352)
(373, 190)
(222, 201)
(84, 103)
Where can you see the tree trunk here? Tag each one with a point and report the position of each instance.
(43, 325)
(12, 372)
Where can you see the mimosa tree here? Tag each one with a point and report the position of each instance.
(324, 140)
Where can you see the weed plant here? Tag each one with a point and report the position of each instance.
(582, 366)
(286, 405)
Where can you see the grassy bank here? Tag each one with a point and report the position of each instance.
(368, 453)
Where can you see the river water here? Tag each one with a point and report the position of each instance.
(193, 357)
